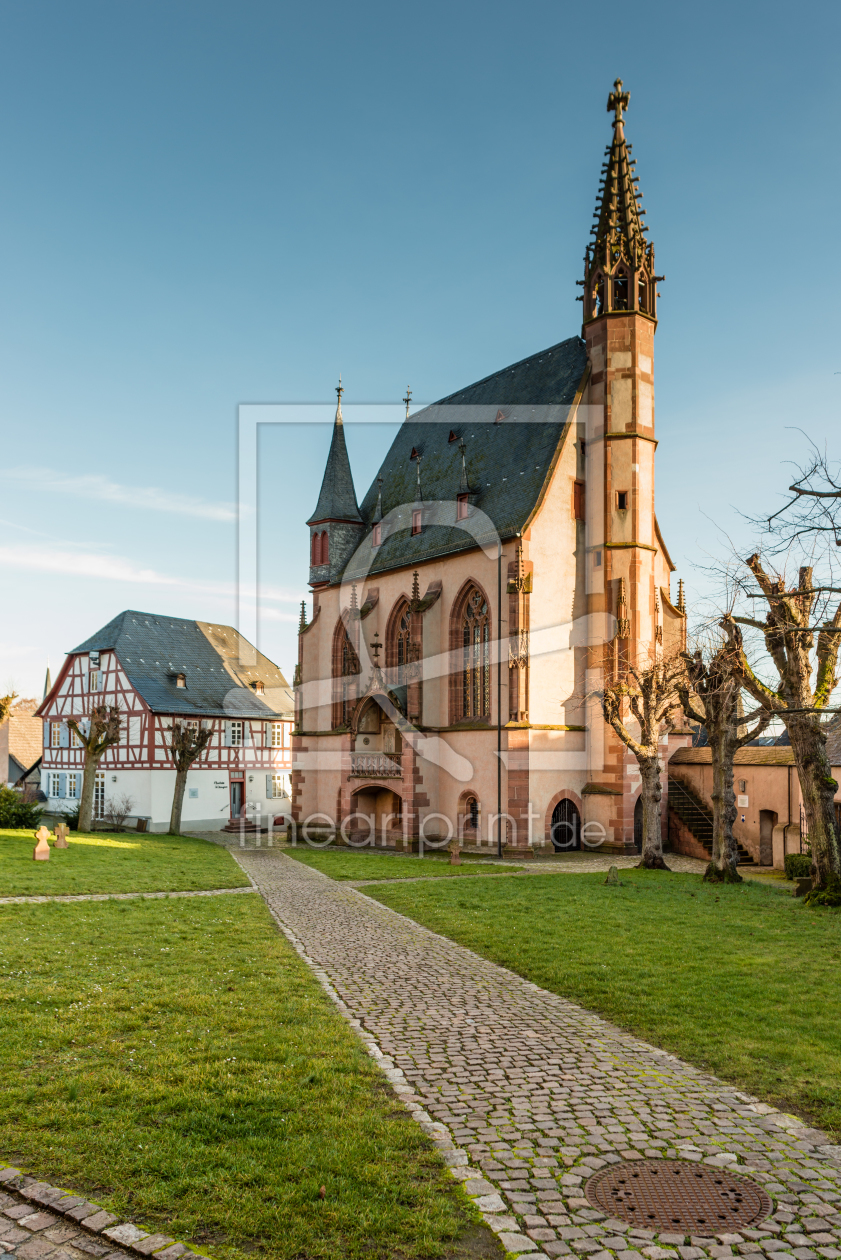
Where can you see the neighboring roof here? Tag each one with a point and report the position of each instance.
(152, 648)
(750, 755)
(337, 498)
(25, 732)
(833, 740)
(508, 464)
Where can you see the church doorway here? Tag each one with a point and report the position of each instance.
(638, 825)
(566, 827)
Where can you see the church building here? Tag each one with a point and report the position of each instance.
(505, 557)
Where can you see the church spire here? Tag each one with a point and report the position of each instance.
(619, 262)
(337, 500)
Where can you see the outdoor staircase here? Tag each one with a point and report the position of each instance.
(697, 817)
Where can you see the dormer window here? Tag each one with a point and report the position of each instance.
(376, 535)
(181, 680)
(416, 522)
(462, 507)
(258, 687)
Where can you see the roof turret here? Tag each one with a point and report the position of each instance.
(337, 499)
(619, 263)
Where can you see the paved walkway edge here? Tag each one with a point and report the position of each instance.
(86, 1216)
(40, 899)
(483, 1193)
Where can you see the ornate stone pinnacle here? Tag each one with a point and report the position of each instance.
(302, 624)
(681, 597)
(617, 101)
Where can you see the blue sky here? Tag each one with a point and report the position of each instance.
(205, 204)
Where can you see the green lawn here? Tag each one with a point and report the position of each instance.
(339, 864)
(125, 862)
(741, 981)
(176, 1062)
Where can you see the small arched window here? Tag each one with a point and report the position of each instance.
(325, 548)
(476, 656)
(403, 636)
(315, 550)
(598, 296)
(643, 294)
(620, 292)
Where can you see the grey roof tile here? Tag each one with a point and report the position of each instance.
(151, 648)
(507, 462)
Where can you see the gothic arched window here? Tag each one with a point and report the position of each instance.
(345, 671)
(325, 548)
(643, 294)
(474, 643)
(620, 292)
(315, 557)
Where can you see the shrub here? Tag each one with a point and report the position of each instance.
(70, 816)
(16, 812)
(798, 865)
(829, 896)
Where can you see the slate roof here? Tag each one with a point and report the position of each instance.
(508, 463)
(151, 648)
(337, 498)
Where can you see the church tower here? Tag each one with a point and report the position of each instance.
(335, 526)
(620, 319)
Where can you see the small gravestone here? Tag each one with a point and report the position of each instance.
(613, 876)
(41, 852)
(60, 836)
(455, 856)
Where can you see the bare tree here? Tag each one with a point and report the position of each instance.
(117, 809)
(805, 681)
(709, 694)
(100, 731)
(186, 744)
(814, 509)
(650, 695)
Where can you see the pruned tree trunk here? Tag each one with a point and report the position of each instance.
(818, 789)
(102, 731)
(710, 695)
(652, 824)
(186, 745)
(723, 865)
(92, 761)
(649, 695)
(178, 800)
(806, 680)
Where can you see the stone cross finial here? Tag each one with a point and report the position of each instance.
(617, 101)
(407, 400)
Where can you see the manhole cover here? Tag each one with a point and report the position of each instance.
(665, 1194)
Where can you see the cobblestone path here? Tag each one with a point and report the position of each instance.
(527, 1094)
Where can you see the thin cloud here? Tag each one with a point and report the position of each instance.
(148, 498)
(36, 558)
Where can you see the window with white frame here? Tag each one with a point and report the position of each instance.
(55, 735)
(72, 782)
(75, 742)
(55, 784)
(99, 794)
(280, 785)
(277, 734)
(236, 734)
(93, 680)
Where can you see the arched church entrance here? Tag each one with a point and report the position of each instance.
(379, 805)
(566, 827)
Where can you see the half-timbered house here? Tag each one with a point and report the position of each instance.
(158, 669)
